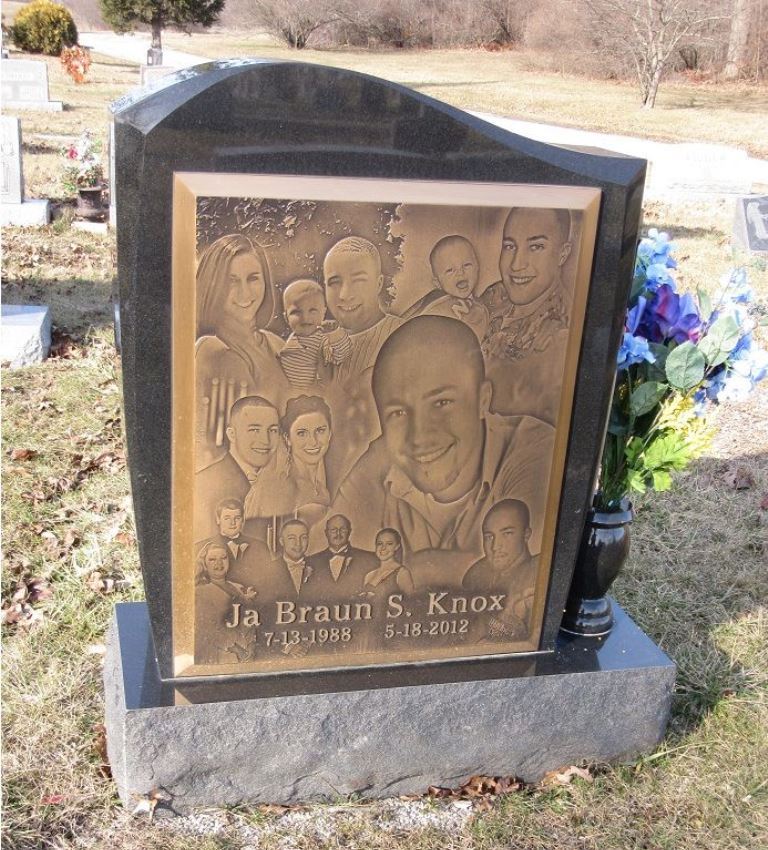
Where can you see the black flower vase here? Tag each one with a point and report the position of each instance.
(89, 203)
(604, 549)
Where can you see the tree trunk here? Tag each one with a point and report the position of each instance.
(737, 41)
(652, 88)
(157, 34)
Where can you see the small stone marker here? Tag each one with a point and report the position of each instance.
(25, 85)
(750, 229)
(14, 210)
(150, 74)
(26, 334)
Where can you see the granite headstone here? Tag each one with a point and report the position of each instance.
(25, 85)
(750, 229)
(368, 345)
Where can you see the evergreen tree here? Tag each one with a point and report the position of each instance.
(124, 15)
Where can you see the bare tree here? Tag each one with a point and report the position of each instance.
(648, 33)
(738, 40)
(294, 21)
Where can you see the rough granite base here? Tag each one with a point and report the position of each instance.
(592, 700)
(25, 337)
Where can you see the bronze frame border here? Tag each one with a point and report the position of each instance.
(187, 187)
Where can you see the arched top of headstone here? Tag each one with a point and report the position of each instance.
(266, 107)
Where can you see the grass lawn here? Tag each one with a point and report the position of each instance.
(513, 84)
(695, 582)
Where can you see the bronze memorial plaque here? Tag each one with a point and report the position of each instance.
(372, 390)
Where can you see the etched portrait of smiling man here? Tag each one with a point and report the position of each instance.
(252, 470)
(530, 313)
(443, 458)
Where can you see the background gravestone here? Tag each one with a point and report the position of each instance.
(11, 172)
(375, 728)
(14, 209)
(750, 229)
(25, 85)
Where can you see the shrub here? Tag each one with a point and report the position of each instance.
(43, 27)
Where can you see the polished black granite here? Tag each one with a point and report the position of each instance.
(627, 647)
(294, 118)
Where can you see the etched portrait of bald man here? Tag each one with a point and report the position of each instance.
(443, 458)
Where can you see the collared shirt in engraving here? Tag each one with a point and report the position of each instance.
(365, 348)
(299, 571)
(516, 464)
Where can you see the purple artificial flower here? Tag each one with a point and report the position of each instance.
(634, 349)
(673, 317)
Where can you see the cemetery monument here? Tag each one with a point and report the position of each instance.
(368, 352)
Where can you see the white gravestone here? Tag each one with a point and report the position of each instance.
(14, 210)
(25, 85)
(150, 74)
(692, 168)
(11, 174)
(25, 336)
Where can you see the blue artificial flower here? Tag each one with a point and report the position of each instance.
(670, 316)
(635, 315)
(657, 274)
(634, 349)
(656, 248)
(734, 287)
(700, 402)
(735, 388)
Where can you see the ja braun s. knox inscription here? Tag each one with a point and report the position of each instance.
(372, 387)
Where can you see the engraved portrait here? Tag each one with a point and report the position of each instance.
(372, 386)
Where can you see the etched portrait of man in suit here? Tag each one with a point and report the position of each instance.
(341, 566)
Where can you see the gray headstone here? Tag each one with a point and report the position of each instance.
(750, 229)
(25, 85)
(11, 172)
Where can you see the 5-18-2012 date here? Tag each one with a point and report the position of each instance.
(432, 628)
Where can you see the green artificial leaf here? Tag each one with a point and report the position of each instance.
(655, 371)
(667, 452)
(646, 397)
(633, 450)
(685, 367)
(635, 481)
(720, 340)
(638, 285)
(705, 304)
(662, 480)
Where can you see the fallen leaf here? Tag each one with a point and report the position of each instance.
(764, 502)
(23, 454)
(739, 478)
(105, 583)
(100, 746)
(273, 809)
(565, 776)
(53, 799)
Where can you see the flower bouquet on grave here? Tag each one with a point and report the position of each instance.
(82, 165)
(680, 355)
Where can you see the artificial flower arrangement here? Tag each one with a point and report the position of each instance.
(680, 354)
(82, 165)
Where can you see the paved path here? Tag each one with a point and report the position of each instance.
(674, 169)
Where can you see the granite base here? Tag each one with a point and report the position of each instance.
(596, 700)
(35, 212)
